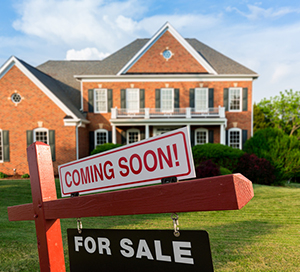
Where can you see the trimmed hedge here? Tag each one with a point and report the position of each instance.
(258, 170)
(104, 147)
(207, 169)
(221, 155)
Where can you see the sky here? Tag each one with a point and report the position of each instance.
(262, 35)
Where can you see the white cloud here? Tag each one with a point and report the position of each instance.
(256, 12)
(85, 54)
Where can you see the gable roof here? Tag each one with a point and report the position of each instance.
(179, 38)
(64, 96)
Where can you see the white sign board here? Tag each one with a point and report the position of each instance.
(141, 163)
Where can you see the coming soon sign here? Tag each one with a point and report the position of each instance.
(142, 163)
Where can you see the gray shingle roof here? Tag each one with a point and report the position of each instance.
(66, 94)
(66, 87)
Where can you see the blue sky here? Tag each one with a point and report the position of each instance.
(262, 35)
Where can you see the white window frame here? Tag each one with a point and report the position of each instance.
(132, 130)
(138, 100)
(241, 99)
(240, 138)
(1, 145)
(196, 106)
(161, 101)
(99, 131)
(40, 130)
(96, 101)
(199, 130)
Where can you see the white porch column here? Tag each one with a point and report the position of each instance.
(222, 134)
(147, 131)
(189, 131)
(114, 134)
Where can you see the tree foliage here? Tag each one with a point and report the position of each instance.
(260, 121)
(283, 111)
(281, 150)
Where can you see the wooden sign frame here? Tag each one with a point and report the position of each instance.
(231, 192)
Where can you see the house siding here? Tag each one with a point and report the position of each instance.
(35, 107)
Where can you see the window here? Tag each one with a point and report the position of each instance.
(167, 100)
(1, 146)
(201, 136)
(133, 135)
(235, 138)
(235, 99)
(201, 99)
(41, 135)
(133, 100)
(100, 100)
(101, 137)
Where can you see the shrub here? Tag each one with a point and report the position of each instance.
(207, 169)
(25, 176)
(258, 170)
(281, 150)
(2, 175)
(221, 155)
(104, 147)
(225, 171)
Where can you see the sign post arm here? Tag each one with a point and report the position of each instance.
(231, 192)
(49, 238)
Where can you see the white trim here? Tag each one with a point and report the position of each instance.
(138, 99)
(40, 130)
(167, 27)
(199, 130)
(170, 122)
(95, 135)
(164, 78)
(14, 61)
(241, 99)
(95, 106)
(132, 130)
(240, 131)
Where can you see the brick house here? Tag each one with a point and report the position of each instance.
(146, 88)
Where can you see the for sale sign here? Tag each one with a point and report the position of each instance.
(142, 163)
(139, 250)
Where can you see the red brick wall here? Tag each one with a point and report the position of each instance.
(243, 119)
(35, 106)
(153, 61)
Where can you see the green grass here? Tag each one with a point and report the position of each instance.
(263, 236)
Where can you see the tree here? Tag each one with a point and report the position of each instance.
(281, 150)
(283, 111)
(260, 121)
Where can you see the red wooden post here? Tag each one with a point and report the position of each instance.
(48, 231)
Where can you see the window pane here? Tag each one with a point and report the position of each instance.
(234, 139)
(167, 100)
(1, 148)
(132, 97)
(201, 137)
(100, 100)
(201, 102)
(133, 136)
(101, 138)
(41, 136)
(235, 99)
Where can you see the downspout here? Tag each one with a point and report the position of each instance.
(77, 140)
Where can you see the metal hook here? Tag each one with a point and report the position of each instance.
(79, 225)
(175, 217)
